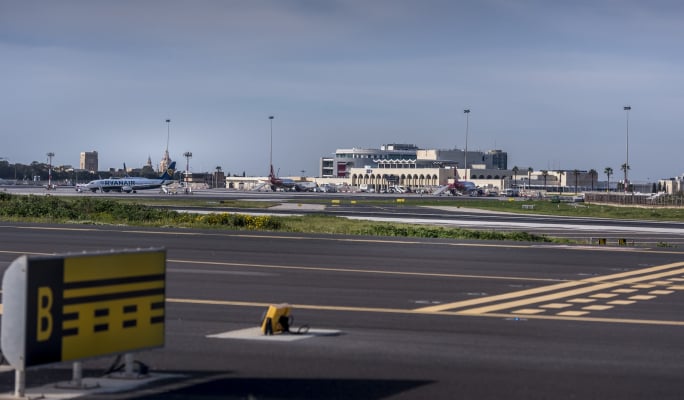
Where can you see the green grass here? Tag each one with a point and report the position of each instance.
(88, 210)
(155, 212)
(184, 202)
(342, 226)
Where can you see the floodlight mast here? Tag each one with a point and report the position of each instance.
(465, 160)
(627, 109)
(270, 154)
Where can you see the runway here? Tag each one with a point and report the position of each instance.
(415, 318)
(652, 234)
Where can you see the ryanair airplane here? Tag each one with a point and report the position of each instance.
(129, 184)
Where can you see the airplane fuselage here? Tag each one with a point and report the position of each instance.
(129, 184)
(125, 185)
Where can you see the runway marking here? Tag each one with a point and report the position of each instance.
(557, 305)
(642, 297)
(624, 283)
(624, 290)
(564, 316)
(529, 311)
(573, 313)
(604, 295)
(542, 294)
(360, 271)
(661, 292)
(597, 308)
(622, 302)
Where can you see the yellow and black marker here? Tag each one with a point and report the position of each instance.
(277, 319)
(91, 305)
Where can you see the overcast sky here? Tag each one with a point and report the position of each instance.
(545, 81)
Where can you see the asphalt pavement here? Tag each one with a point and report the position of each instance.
(405, 318)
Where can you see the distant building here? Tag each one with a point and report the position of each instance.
(165, 161)
(345, 159)
(673, 185)
(89, 161)
(409, 156)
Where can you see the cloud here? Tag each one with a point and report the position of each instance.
(545, 81)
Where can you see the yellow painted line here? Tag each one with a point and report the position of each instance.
(296, 306)
(557, 317)
(659, 292)
(597, 307)
(600, 283)
(652, 276)
(643, 286)
(625, 290)
(604, 295)
(557, 305)
(354, 270)
(505, 296)
(621, 302)
(666, 267)
(573, 313)
(678, 287)
(539, 299)
(642, 297)
(582, 300)
(529, 311)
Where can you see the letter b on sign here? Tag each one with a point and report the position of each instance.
(45, 321)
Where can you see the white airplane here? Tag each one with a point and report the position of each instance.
(129, 184)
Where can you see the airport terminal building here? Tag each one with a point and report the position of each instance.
(407, 165)
(399, 165)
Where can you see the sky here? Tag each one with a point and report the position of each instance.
(546, 81)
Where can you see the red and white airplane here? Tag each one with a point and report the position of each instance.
(288, 184)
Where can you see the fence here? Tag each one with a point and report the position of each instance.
(632, 199)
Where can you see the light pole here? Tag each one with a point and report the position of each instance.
(270, 154)
(50, 155)
(166, 154)
(627, 108)
(465, 160)
(168, 133)
(188, 156)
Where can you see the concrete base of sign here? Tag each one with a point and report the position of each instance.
(257, 334)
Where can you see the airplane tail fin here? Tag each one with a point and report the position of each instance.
(168, 174)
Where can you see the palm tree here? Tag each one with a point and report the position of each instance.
(529, 176)
(625, 167)
(544, 173)
(560, 181)
(515, 175)
(608, 171)
(593, 174)
(218, 171)
(576, 172)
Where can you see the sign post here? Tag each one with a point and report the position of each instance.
(71, 307)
